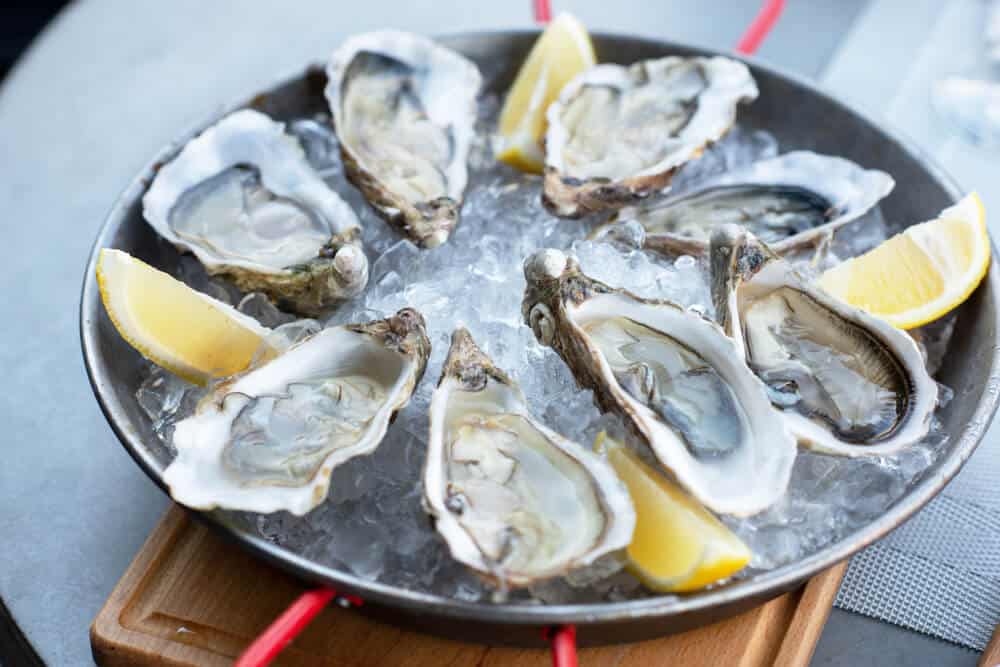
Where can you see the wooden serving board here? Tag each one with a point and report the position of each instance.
(191, 599)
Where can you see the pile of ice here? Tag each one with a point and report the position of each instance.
(373, 524)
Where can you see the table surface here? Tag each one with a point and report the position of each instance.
(107, 84)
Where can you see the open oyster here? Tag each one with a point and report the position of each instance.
(786, 201)
(242, 197)
(269, 440)
(405, 110)
(617, 134)
(678, 382)
(846, 382)
(515, 501)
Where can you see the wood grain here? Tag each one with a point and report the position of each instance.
(190, 599)
(991, 654)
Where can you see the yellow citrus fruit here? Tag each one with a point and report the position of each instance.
(186, 332)
(563, 51)
(920, 274)
(678, 546)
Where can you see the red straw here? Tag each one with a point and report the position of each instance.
(543, 11)
(285, 628)
(762, 24)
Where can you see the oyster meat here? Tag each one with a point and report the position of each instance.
(269, 439)
(847, 382)
(617, 134)
(242, 197)
(514, 500)
(405, 110)
(786, 201)
(679, 383)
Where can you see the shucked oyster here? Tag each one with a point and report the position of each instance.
(786, 201)
(270, 439)
(405, 109)
(617, 134)
(673, 376)
(243, 199)
(515, 501)
(847, 382)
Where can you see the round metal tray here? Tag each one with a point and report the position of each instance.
(801, 117)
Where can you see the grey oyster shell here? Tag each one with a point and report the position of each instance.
(847, 382)
(269, 439)
(515, 501)
(404, 109)
(243, 199)
(618, 134)
(677, 381)
(789, 201)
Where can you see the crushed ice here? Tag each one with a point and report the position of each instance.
(373, 524)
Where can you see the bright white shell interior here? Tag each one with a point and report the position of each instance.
(365, 377)
(746, 479)
(199, 201)
(619, 122)
(418, 148)
(513, 499)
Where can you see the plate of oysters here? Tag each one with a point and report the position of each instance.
(497, 331)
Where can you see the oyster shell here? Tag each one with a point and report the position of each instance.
(617, 134)
(269, 439)
(678, 382)
(847, 382)
(786, 201)
(242, 197)
(405, 110)
(514, 500)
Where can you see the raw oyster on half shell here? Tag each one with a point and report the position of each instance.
(515, 501)
(617, 134)
(269, 439)
(847, 382)
(675, 378)
(404, 110)
(242, 197)
(787, 202)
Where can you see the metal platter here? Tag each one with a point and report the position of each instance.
(801, 117)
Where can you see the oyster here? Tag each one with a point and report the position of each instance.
(847, 382)
(514, 500)
(786, 201)
(617, 134)
(405, 110)
(269, 440)
(242, 197)
(678, 382)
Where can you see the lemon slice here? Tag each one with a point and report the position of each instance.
(920, 274)
(678, 546)
(186, 332)
(563, 51)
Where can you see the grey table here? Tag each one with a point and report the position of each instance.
(108, 83)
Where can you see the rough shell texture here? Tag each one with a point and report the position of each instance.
(849, 190)
(444, 86)
(594, 520)
(208, 472)
(709, 115)
(745, 271)
(561, 302)
(338, 268)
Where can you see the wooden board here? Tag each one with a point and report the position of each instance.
(191, 599)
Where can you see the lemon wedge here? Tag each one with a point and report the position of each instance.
(678, 546)
(920, 274)
(184, 331)
(563, 51)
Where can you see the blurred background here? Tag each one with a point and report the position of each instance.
(18, 26)
(112, 81)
